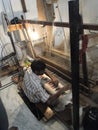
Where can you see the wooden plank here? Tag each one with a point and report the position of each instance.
(14, 27)
(45, 23)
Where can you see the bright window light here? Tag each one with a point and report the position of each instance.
(33, 34)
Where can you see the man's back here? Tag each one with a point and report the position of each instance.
(33, 89)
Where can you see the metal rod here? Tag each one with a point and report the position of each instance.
(6, 85)
(9, 33)
(11, 39)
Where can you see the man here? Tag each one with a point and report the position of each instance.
(33, 86)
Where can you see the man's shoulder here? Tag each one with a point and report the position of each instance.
(29, 70)
(29, 74)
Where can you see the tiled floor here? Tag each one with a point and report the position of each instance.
(18, 113)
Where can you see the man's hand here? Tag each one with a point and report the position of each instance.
(55, 82)
(55, 96)
(63, 89)
(53, 78)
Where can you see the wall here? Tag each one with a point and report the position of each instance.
(88, 9)
(13, 8)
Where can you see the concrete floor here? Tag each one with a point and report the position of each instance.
(18, 113)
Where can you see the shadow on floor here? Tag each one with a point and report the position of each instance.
(31, 106)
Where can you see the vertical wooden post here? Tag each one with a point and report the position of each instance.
(23, 6)
(74, 21)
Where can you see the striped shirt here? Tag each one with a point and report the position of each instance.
(33, 89)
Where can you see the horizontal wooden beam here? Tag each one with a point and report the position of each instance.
(46, 23)
(60, 24)
(14, 27)
(90, 26)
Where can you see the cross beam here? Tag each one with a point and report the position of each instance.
(60, 24)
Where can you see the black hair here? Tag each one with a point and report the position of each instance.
(38, 65)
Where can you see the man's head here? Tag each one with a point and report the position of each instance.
(38, 67)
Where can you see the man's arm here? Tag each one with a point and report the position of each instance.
(55, 96)
(53, 79)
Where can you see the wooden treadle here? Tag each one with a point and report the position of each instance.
(65, 116)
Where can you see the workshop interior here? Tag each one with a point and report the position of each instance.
(64, 35)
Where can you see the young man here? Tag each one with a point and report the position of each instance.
(33, 88)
